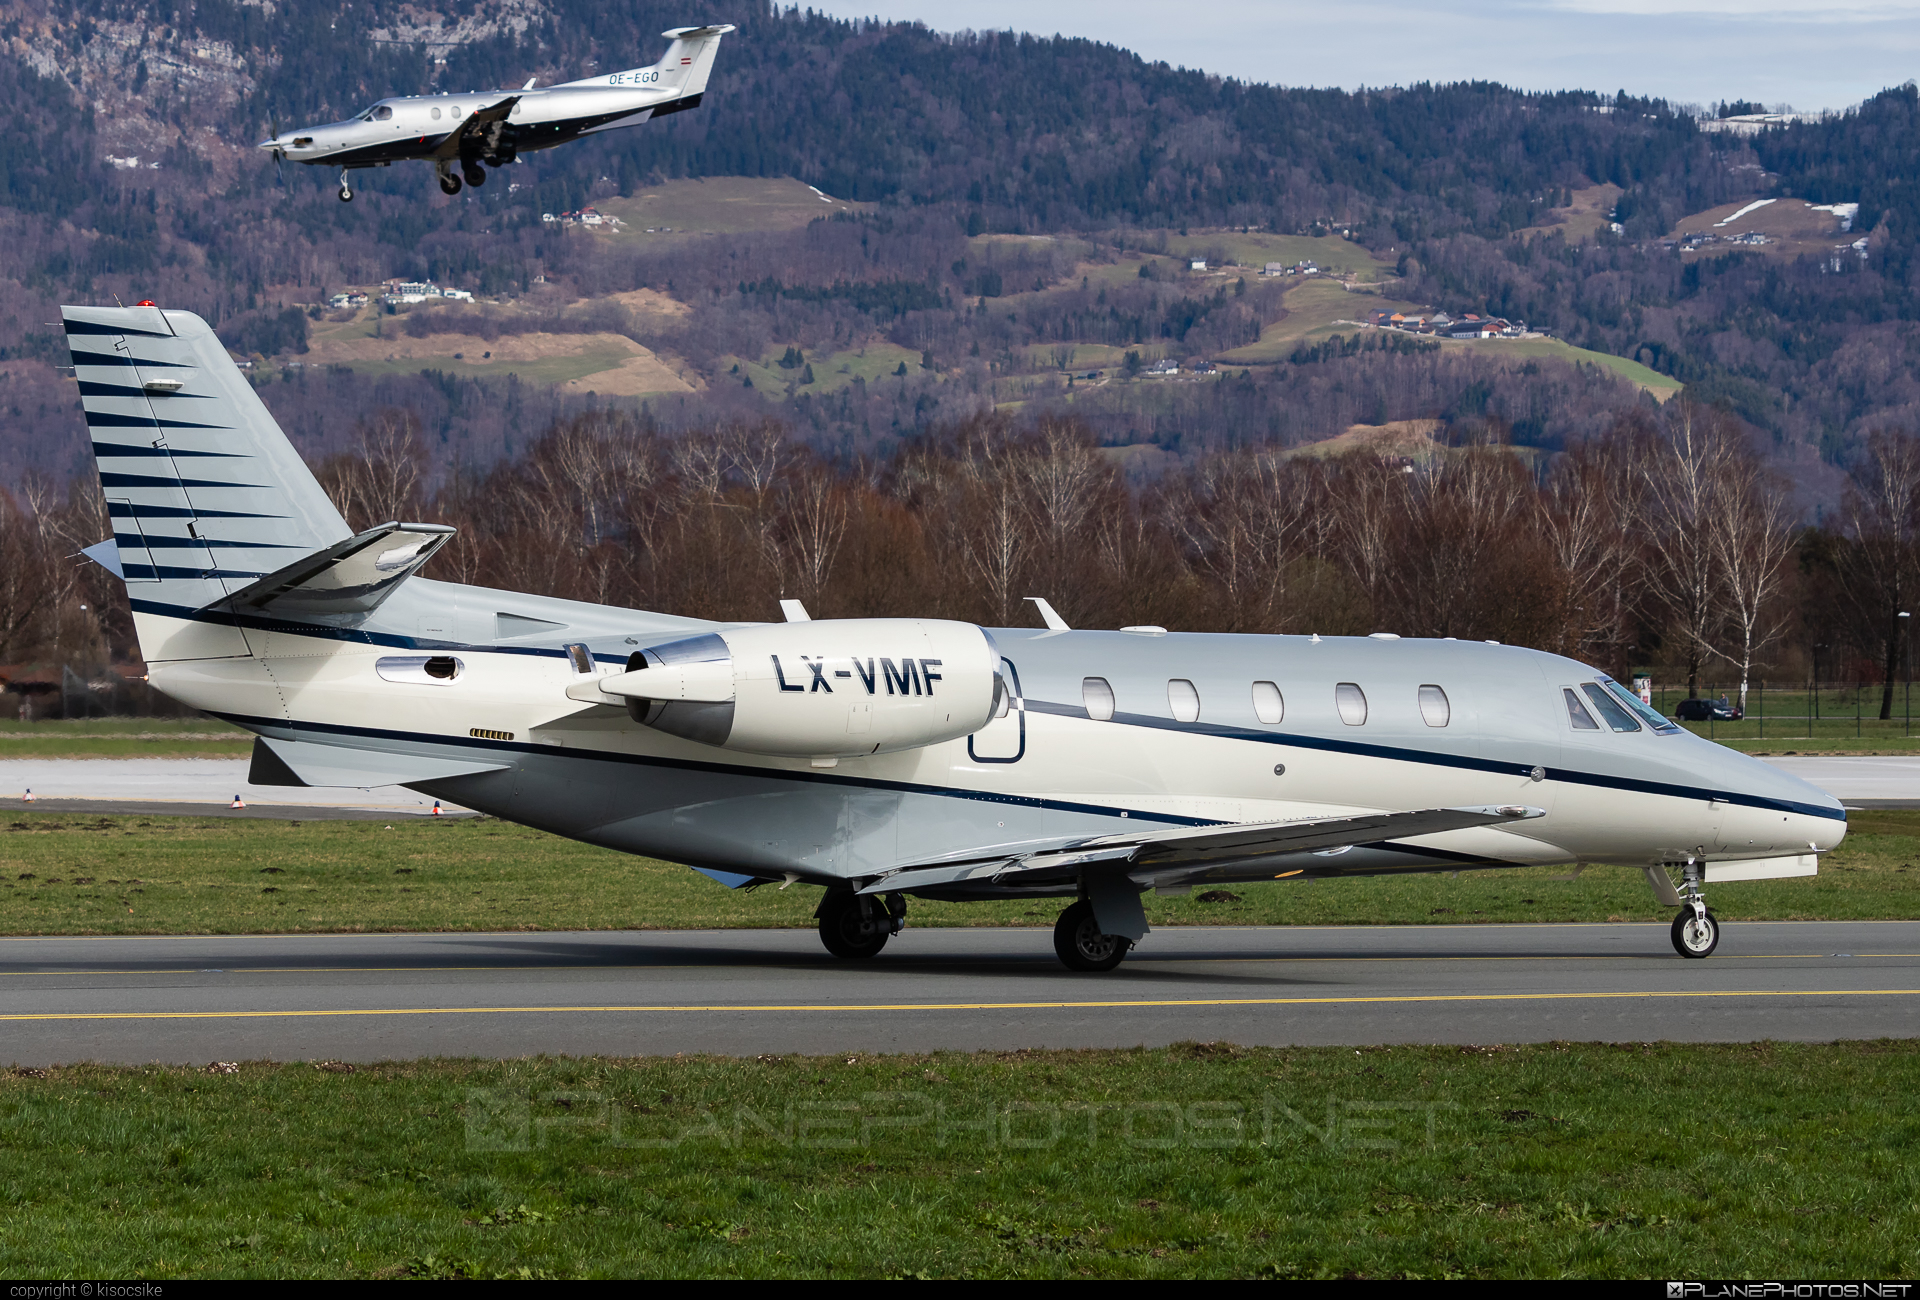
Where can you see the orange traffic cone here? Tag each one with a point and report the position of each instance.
(238, 802)
(436, 807)
(28, 797)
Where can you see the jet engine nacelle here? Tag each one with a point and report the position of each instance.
(832, 688)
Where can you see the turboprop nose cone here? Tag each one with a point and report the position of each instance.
(269, 144)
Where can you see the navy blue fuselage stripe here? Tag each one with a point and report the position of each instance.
(81, 357)
(126, 510)
(95, 388)
(94, 327)
(153, 480)
(114, 420)
(1570, 775)
(176, 542)
(125, 449)
(722, 769)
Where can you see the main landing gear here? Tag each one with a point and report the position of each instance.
(476, 174)
(1080, 944)
(858, 925)
(1696, 931)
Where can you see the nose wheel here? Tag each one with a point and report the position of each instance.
(346, 190)
(1696, 931)
(449, 184)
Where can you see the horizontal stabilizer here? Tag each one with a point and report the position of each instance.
(311, 763)
(350, 577)
(1204, 846)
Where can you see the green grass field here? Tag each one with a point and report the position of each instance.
(1558, 1160)
(124, 738)
(722, 205)
(70, 874)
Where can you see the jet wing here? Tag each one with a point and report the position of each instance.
(299, 762)
(477, 121)
(350, 577)
(1205, 846)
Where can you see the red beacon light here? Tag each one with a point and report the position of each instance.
(146, 302)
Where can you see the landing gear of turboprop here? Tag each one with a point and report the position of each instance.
(857, 926)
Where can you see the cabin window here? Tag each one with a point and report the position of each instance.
(1098, 697)
(1352, 702)
(384, 113)
(455, 110)
(1184, 700)
(1577, 712)
(1611, 709)
(1434, 709)
(436, 115)
(1268, 704)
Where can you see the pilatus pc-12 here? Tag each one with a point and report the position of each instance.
(879, 758)
(494, 128)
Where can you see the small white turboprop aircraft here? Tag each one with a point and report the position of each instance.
(497, 127)
(884, 757)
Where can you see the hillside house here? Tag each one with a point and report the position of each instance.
(1274, 268)
(1164, 366)
(1197, 264)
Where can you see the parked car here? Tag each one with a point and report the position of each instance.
(1703, 710)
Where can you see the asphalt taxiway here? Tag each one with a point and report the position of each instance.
(741, 992)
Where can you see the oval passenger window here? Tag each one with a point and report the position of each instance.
(1268, 705)
(1434, 708)
(436, 115)
(1184, 700)
(1098, 697)
(1352, 702)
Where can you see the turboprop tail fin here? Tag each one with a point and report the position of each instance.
(683, 69)
(206, 494)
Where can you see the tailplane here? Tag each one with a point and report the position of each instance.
(206, 494)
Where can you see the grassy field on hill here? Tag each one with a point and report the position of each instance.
(723, 205)
(1196, 1160)
(79, 874)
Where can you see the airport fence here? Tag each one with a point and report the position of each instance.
(1828, 712)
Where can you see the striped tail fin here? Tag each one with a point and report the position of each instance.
(205, 492)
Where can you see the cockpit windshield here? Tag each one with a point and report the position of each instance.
(1645, 712)
(378, 113)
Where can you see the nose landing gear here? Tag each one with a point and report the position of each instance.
(1696, 931)
(346, 190)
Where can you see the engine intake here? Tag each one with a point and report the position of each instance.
(831, 688)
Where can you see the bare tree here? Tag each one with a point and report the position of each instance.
(1683, 573)
(1881, 574)
(1751, 533)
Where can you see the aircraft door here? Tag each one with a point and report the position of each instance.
(1004, 738)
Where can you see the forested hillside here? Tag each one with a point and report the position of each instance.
(141, 182)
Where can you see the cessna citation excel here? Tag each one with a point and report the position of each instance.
(496, 128)
(881, 758)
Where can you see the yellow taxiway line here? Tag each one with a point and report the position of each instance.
(966, 1006)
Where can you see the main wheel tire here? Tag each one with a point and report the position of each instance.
(449, 184)
(476, 175)
(1694, 936)
(1081, 945)
(849, 934)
